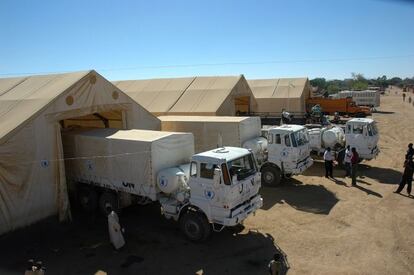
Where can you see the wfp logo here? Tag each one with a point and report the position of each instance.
(163, 182)
(209, 194)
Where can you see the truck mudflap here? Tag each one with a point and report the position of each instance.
(241, 212)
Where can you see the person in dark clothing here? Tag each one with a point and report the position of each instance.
(329, 159)
(410, 152)
(407, 177)
(354, 163)
(275, 265)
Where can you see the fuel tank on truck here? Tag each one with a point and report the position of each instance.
(172, 179)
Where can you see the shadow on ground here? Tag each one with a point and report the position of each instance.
(308, 198)
(384, 112)
(382, 175)
(154, 245)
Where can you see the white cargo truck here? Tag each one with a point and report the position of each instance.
(363, 98)
(360, 133)
(288, 153)
(204, 192)
(284, 153)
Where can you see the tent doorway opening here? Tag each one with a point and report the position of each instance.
(109, 119)
(82, 196)
(242, 105)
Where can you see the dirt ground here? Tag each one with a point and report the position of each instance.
(323, 226)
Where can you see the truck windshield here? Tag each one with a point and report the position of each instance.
(300, 138)
(372, 129)
(242, 167)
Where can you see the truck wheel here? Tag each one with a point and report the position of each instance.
(271, 176)
(88, 199)
(106, 200)
(195, 226)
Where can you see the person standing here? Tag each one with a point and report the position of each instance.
(347, 161)
(354, 163)
(407, 177)
(328, 158)
(115, 230)
(410, 152)
(275, 265)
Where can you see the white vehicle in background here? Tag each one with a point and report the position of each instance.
(282, 153)
(287, 153)
(204, 192)
(360, 133)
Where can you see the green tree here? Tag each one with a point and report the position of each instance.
(319, 82)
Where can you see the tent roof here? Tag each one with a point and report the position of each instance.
(178, 95)
(155, 95)
(278, 87)
(22, 97)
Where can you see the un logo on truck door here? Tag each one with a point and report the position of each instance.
(209, 194)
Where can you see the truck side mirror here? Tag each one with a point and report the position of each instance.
(217, 177)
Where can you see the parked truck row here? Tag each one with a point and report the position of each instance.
(197, 181)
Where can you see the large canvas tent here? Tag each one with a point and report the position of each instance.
(274, 95)
(203, 96)
(33, 112)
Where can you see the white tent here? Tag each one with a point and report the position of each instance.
(33, 112)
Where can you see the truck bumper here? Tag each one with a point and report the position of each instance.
(243, 211)
(300, 167)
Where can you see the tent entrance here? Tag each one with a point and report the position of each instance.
(242, 105)
(105, 119)
(109, 119)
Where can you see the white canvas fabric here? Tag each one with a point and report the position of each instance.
(214, 131)
(125, 160)
(32, 172)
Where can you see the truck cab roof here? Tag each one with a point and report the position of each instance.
(222, 153)
(361, 120)
(286, 128)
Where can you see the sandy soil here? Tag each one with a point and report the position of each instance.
(323, 226)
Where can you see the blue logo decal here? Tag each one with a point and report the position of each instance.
(44, 163)
(209, 194)
(89, 165)
(163, 182)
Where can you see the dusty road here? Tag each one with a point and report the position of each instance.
(324, 227)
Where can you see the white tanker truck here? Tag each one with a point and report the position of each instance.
(360, 133)
(279, 151)
(204, 192)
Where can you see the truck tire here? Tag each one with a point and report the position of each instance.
(88, 199)
(271, 176)
(108, 199)
(195, 226)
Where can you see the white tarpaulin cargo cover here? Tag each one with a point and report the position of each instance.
(126, 160)
(211, 132)
(274, 95)
(33, 110)
(218, 95)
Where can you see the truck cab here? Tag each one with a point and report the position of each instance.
(362, 133)
(288, 153)
(223, 190)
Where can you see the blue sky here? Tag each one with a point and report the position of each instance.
(149, 39)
